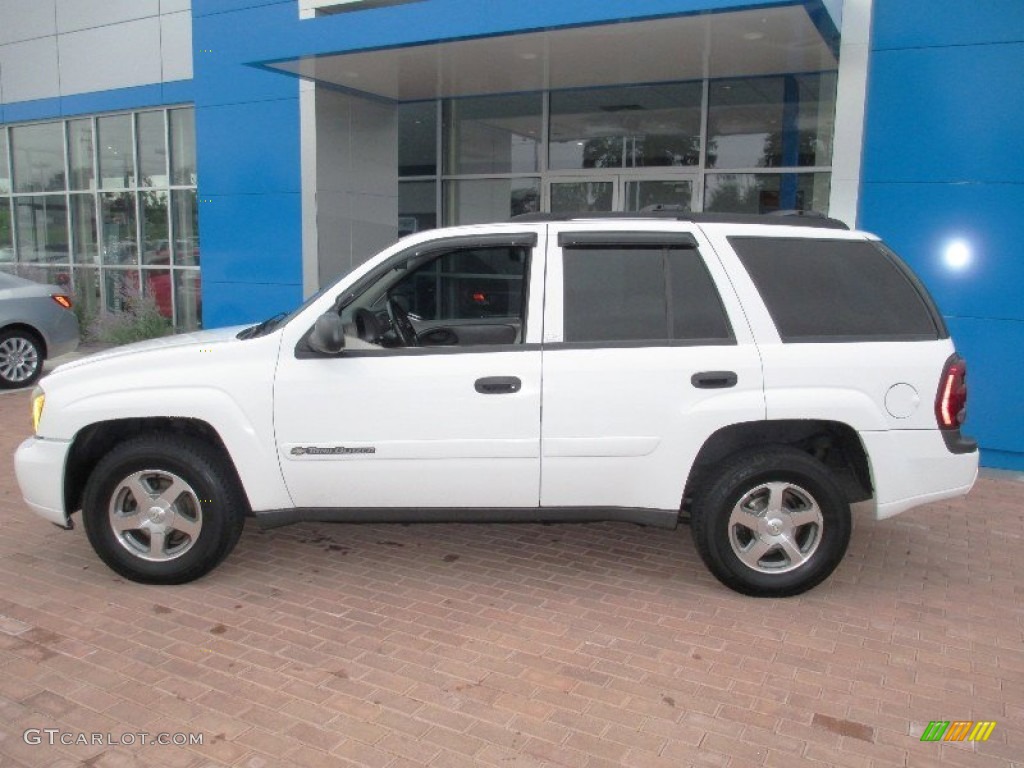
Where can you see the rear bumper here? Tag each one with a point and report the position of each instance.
(914, 467)
(39, 467)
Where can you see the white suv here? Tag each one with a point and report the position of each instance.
(757, 375)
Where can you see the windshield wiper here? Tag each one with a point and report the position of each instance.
(262, 328)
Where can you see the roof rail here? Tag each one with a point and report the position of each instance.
(778, 218)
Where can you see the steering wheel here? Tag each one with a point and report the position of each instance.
(401, 323)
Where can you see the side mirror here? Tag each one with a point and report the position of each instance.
(328, 335)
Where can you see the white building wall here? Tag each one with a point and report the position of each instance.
(53, 48)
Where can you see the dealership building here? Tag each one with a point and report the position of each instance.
(229, 157)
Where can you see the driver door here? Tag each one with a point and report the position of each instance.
(439, 425)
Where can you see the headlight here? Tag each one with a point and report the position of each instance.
(38, 398)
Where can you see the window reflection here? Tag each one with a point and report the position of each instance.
(117, 212)
(417, 139)
(83, 229)
(186, 227)
(640, 126)
(42, 228)
(156, 244)
(417, 206)
(80, 154)
(766, 192)
(771, 122)
(493, 134)
(183, 146)
(117, 161)
(149, 129)
(97, 224)
(38, 155)
(477, 201)
(5, 172)
(188, 299)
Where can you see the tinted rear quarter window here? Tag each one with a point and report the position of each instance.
(623, 293)
(837, 290)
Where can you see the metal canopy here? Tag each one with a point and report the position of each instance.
(742, 43)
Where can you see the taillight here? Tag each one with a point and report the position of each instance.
(61, 299)
(951, 400)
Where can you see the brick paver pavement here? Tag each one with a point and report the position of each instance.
(503, 645)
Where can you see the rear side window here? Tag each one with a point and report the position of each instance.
(644, 293)
(837, 290)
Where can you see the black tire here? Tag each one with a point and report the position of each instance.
(21, 353)
(210, 505)
(813, 522)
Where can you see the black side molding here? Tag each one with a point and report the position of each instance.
(656, 518)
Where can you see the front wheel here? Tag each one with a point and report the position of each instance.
(162, 510)
(771, 522)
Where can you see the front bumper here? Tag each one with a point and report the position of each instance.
(39, 467)
(914, 467)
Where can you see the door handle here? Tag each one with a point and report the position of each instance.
(714, 379)
(498, 385)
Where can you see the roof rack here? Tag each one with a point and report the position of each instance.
(778, 218)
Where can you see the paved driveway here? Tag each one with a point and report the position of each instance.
(502, 645)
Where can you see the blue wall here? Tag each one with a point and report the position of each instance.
(944, 161)
(247, 118)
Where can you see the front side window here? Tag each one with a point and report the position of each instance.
(467, 285)
(464, 297)
(644, 294)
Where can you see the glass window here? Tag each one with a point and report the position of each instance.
(117, 160)
(578, 196)
(638, 126)
(657, 294)
(38, 154)
(156, 244)
(83, 229)
(156, 284)
(152, 149)
(42, 228)
(59, 276)
(417, 139)
(647, 195)
(766, 192)
(117, 211)
(614, 294)
(834, 290)
(188, 299)
(183, 146)
(417, 206)
(87, 292)
(493, 134)
(771, 122)
(465, 285)
(80, 154)
(186, 227)
(119, 286)
(5, 172)
(479, 201)
(6, 232)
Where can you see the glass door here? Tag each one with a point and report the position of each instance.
(577, 194)
(620, 192)
(640, 194)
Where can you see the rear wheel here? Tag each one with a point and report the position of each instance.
(21, 358)
(771, 522)
(162, 510)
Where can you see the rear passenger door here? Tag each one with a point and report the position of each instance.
(646, 353)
